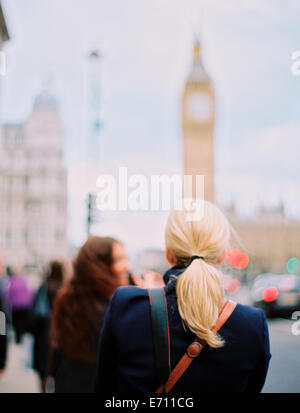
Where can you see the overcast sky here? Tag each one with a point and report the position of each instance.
(146, 49)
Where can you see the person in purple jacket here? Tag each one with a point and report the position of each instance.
(19, 298)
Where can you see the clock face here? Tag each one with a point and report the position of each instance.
(199, 106)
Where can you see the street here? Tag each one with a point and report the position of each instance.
(283, 376)
(19, 377)
(284, 367)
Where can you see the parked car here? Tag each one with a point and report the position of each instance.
(276, 294)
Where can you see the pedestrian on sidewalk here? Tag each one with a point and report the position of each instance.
(19, 297)
(4, 319)
(3, 338)
(40, 315)
(143, 340)
(100, 267)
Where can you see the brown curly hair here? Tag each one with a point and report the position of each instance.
(80, 305)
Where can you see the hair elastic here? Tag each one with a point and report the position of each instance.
(195, 257)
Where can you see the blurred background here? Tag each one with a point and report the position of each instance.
(161, 87)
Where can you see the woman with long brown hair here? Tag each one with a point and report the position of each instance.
(100, 267)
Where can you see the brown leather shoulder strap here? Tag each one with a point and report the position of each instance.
(224, 314)
(195, 348)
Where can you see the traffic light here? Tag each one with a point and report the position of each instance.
(89, 215)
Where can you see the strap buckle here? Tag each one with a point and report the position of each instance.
(194, 349)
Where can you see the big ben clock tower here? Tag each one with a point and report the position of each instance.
(198, 118)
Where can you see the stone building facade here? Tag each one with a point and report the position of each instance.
(33, 188)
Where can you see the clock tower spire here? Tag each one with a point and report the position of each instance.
(198, 118)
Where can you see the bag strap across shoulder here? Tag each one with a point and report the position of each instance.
(160, 332)
(160, 328)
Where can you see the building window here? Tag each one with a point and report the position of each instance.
(8, 236)
(43, 175)
(60, 206)
(58, 235)
(26, 182)
(31, 206)
(25, 236)
(29, 156)
(10, 181)
(19, 138)
(9, 205)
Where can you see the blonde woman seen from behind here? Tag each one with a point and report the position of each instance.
(235, 359)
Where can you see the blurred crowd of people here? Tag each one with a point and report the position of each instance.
(65, 314)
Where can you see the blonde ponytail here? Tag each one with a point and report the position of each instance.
(199, 288)
(199, 295)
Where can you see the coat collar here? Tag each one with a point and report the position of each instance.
(170, 278)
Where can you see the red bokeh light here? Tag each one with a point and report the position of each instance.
(242, 261)
(233, 286)
(238, 259)
(231, 256)
(270, 294)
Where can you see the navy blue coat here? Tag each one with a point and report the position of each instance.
(126, 356)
